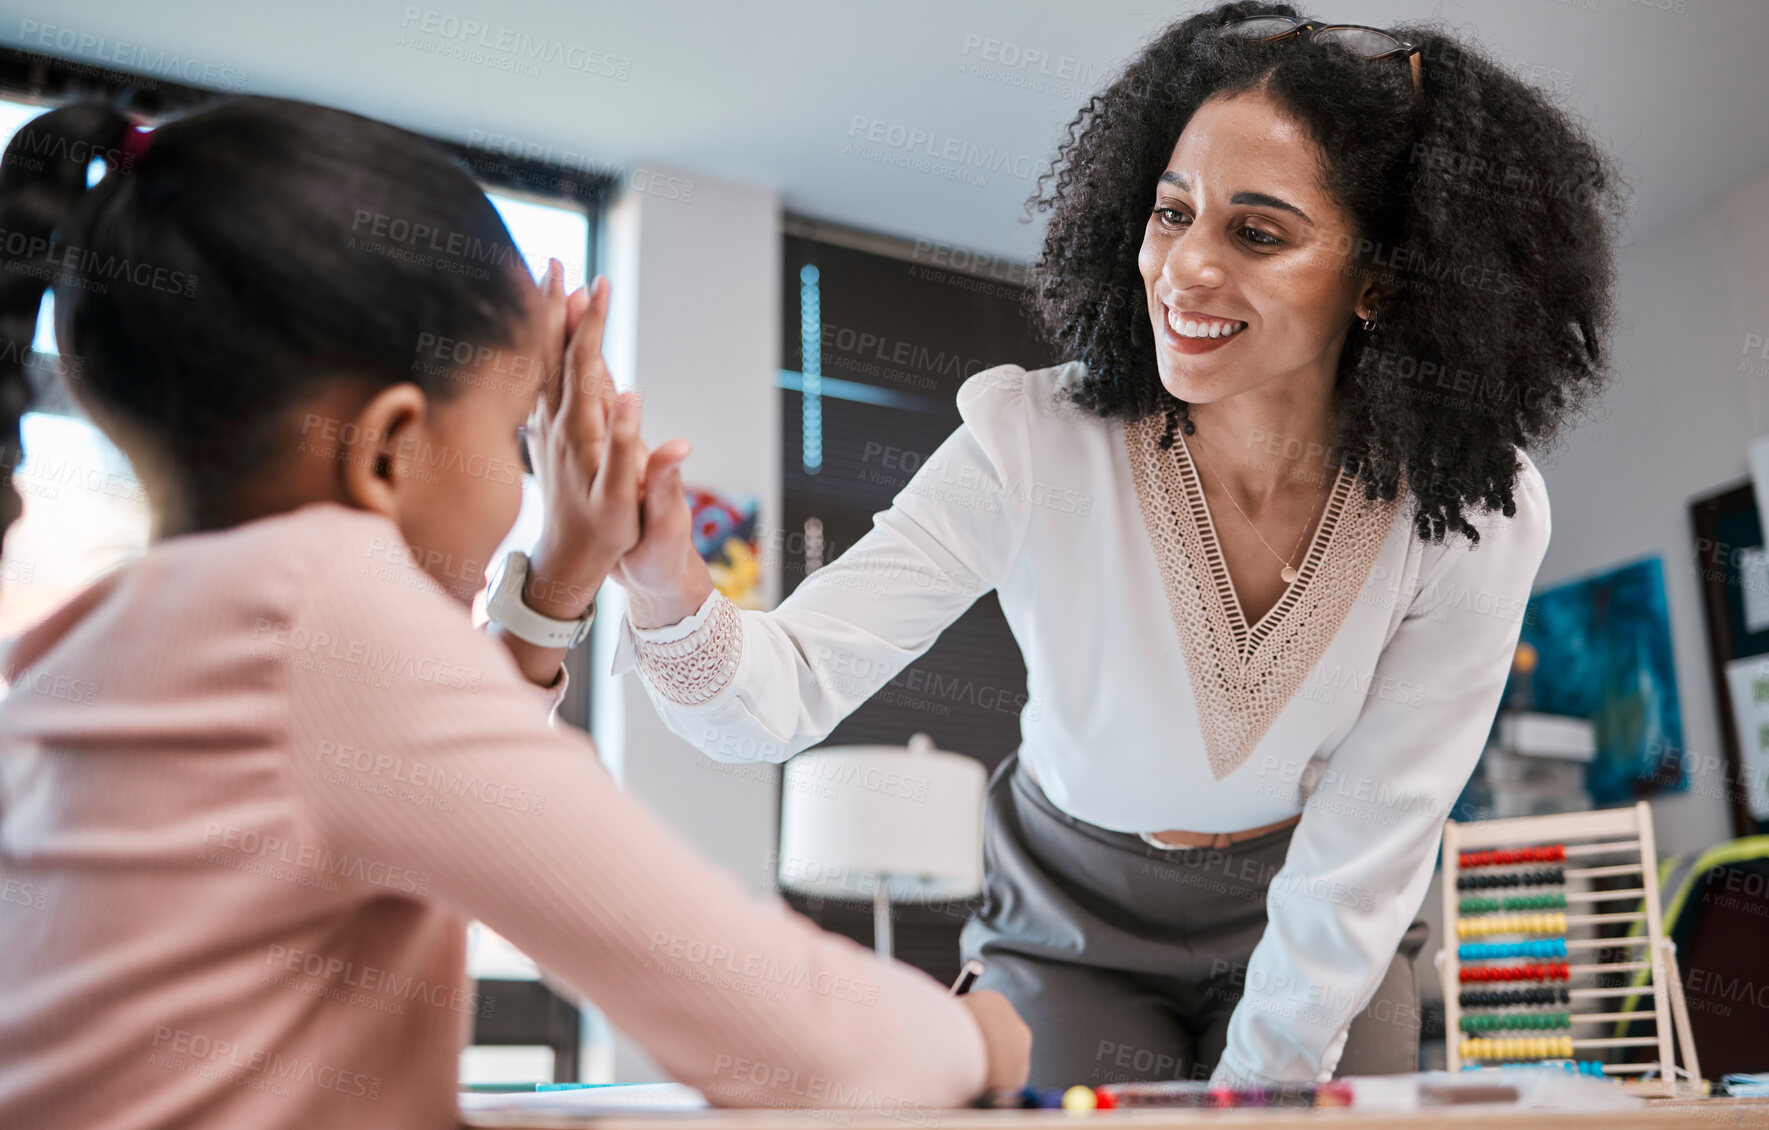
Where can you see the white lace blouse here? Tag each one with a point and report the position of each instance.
(1362, 699)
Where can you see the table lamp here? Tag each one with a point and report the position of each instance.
(893, 823)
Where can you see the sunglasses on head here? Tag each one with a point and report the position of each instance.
(1369, 42)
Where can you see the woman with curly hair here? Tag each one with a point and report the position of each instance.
(1265, 541)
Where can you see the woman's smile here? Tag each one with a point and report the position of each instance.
(1192, 332)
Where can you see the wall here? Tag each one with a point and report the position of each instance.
(694, 325)
(1683, 409)
(1684, 403)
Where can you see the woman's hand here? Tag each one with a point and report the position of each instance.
(583, 441)
(664, 575)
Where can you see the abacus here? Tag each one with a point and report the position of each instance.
(1519, 900)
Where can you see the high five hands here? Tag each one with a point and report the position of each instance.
(611, 506)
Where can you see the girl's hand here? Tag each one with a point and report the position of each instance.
(583, 441)
(1005, 1035)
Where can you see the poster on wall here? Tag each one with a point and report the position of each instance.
(1748, 682)
(725, 536)
(1603, 652)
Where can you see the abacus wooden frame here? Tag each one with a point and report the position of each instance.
(1633, 823)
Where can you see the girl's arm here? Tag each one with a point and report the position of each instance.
(515, 823)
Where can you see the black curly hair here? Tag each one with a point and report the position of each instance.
(1483, 212)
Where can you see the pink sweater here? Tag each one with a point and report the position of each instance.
(252, 787)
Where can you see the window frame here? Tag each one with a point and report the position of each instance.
(41, 79)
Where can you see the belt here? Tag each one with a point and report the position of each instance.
(1177, 839)
(1215, 839)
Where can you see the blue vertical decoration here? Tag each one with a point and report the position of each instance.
(811, 345)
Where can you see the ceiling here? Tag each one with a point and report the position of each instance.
(792, 95)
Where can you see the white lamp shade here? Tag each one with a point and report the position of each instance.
(850, 815)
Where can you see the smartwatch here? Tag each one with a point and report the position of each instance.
(506, 608)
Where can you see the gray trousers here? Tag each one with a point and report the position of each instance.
(1126, 959)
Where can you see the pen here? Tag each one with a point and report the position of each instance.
(506, 1088)
(967, 977)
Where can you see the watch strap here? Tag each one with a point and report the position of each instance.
(507, 608)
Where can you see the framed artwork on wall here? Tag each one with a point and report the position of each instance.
(1603, 652)
(1732, 571)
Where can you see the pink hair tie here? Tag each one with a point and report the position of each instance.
(135, 145)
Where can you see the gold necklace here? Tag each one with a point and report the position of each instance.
(1288, 572)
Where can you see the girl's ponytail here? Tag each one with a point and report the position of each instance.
(43, 181)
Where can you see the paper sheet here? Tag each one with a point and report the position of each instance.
(667, 1097)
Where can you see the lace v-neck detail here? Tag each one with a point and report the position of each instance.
(1242, 675)
(1248, 638)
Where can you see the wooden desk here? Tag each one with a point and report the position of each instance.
(1658, 1114)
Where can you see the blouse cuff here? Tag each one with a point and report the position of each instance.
(682, 628)
(691, 661)
(1229, 1075)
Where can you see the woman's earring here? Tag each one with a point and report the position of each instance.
(1370, 322)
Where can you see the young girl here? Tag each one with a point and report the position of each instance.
(254, 783)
